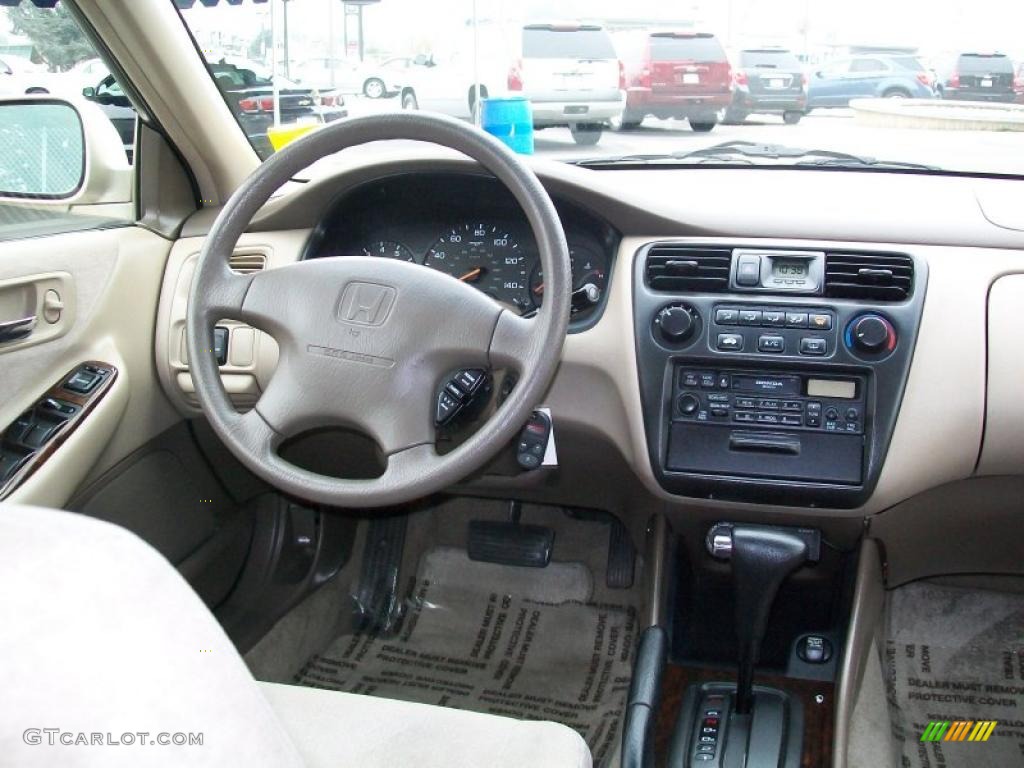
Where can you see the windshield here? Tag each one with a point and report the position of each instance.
(927, 86)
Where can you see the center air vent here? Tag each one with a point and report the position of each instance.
(245, 263)
(688, 268)
(874, 276)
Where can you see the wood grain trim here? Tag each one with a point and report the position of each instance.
(86, 402)
(818, 718)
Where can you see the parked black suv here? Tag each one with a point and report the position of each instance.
(980, 77)
(768, 80)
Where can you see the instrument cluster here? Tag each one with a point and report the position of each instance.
(477, 235)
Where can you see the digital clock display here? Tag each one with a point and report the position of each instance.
(791, 269)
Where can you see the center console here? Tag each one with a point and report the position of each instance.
(773, 374)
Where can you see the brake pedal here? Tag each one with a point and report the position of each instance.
(512, 543)
(377, 595)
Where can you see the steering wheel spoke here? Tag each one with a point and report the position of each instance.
(513, 341)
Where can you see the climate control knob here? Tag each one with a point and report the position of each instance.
(676, 323)
(871, 334)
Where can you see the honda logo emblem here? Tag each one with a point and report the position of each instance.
(366, 303)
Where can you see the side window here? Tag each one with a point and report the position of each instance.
(862, 66)
(836, 69)
(67, 130)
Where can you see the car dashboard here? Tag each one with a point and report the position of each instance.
(683, 396)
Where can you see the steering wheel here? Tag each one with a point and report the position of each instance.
(365, 343)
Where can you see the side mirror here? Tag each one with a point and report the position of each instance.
(89, 92)
(819, 74)
(59, 152)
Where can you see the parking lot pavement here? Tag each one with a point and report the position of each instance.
(833, 129)
(976, 151)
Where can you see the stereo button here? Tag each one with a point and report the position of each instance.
(767, 418)
(746, 402)
(791, 421)
(743, 416)
(792, 405)
(690, 379)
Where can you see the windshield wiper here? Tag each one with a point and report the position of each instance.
(753, 153)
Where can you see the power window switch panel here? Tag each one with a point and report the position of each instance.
(83, 382)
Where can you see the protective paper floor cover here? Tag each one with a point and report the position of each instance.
(525, 643)
(955, 654)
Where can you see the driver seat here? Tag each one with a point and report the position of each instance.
(106, 650)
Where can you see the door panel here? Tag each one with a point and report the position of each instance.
(108, 282)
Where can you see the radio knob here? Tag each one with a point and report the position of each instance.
(872, 334)
(688, 405)
(675, 324)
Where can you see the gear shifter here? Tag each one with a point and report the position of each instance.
(761, 559)
(722, 725)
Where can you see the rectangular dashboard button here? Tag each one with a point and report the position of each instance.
(730, 342)
(750, 317)
(774, 318)
(819, 321)
(813, 346)
(727, 316)
(771, 344)
(796, 319)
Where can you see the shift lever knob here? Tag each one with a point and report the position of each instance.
(762, 557)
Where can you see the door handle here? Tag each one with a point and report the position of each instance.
(12, 330)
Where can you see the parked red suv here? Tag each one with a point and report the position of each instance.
(681, 75)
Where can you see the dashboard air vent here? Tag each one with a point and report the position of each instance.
(672, 267)
(875, 276)
(245, 263)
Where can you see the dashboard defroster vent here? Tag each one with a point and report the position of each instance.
(677, 267)
(874, 276)
(247, 262)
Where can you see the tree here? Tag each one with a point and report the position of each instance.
(55, 34)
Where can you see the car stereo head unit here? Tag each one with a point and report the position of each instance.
(790, 426)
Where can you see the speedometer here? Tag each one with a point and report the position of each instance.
(488, 258)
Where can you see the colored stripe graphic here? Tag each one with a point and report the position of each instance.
(959, 730)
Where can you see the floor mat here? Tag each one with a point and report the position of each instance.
(955, 655)
(526, 643)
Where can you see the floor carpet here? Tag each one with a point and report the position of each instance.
(955, 655)
(526, 643)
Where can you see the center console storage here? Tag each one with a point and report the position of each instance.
(772, 374)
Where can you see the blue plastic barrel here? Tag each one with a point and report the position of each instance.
(511, 121)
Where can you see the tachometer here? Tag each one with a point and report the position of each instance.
(389, 249)
(488, 258)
